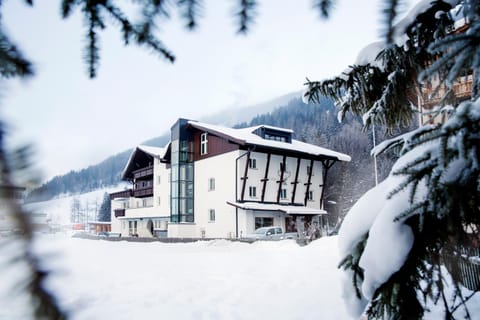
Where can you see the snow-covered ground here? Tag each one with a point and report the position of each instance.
(59, 208)
(203, 280)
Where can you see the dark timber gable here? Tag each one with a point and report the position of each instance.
(216, 145)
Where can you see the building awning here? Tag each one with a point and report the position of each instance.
(287, 209)
(143, 217)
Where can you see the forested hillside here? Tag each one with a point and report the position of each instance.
(104, 174)
(313, 123)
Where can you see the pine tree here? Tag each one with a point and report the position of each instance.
(433, 200)
(104, 214)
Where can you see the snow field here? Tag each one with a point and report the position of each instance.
(203, 280)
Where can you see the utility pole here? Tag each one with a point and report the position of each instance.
(374, 155)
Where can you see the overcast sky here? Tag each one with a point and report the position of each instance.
(74, 122)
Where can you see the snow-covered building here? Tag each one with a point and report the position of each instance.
(216, 182)
(433, 92)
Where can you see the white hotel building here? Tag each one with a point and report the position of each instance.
(217, 182)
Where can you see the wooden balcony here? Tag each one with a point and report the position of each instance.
(143, 172)
(119, 213)
(462, 89)
(121, 194)
(143, 192)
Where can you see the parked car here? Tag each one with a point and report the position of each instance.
(109, 234)
(270, 233)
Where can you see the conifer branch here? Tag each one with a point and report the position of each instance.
(324, 7)
(45, 305)
(66, 7)
(12, 61)
(390, 12)
(190, 10)
(92, 49)
(246, 15)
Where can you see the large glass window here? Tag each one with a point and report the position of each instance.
(181, 174)
(283, 194)
(263, 222)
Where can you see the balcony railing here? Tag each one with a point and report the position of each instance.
(121, 194)
(143, 192)
(462, 89)
(119, 213)
(144, 172)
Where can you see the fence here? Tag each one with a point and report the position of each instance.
(464, 266)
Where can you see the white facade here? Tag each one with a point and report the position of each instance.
(145, 216)
(241, 181)
(219, 171)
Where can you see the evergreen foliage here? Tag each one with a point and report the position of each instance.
(105, 208)
(444, 180)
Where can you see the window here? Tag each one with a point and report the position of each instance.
(211, 184)
(203, 144)
(252, 192)
(159, 201)
(283, 194)
(144, 202)
(158, 179)
(132, 227)
(211, 215)
(310, 196)
(263, 222)
(252, 163)
(275, 138)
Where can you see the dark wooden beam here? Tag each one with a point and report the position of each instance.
(309, 182)
(295, 182)
(282, 172)
(327, 164)
(245, 177)
(265, 179)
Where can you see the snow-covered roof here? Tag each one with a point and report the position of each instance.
(154, 152)
(287, 209)
(270, 127)
(246, 136)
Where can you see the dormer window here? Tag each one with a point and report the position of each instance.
(274, 134)
(204, 144)
(275, 138)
